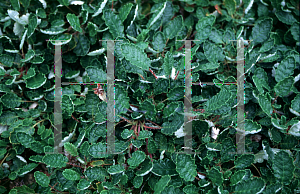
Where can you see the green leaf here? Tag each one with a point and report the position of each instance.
(116, 169)
(126, 133)
(175, 26)
(285, 68)
(283, 87)
(283, 167)
(98, 150)
(28, 168)
(171, 189)
(135, 56)
(124, 11)
(296, 103)
(6, 60)
(159, 42)
(137, 181)
(24, 139)
(8, 118)
(32, 24)
(216, 36)
(295, 129)
(185, 166)
(169, 62)
(295, 30)
(71, 175)
(83, 184)
(230, 6)
(203, 22)
(218, 100)
(41, 179)
(114, 24)
(237, 177)
(168, 128)
(55, 160)
(146, 167)
(67, 105)
(36, 81)
(15, 4)
(275, 135)
(268, 45)
(30, 73)
(96, 173)
(260, 80)
(136, 158)
(72, 74)
(149, 108)
(69, 147)
(82, 45)
(74, 22)
(176, 93)
(145, 134)
(215, 176)
(161, 184)
(285, 17)
(100, 8)
(244, 161)
(265, 104)
(24, 33)
(96, 74)
(261, 30)
(170, 109)
(164, 167)
(250, 186)
(204, 26)
(213, 52)
(11, 100)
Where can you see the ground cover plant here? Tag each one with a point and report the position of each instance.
(149, 96)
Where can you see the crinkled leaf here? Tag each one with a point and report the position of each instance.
(136, 158)
(285, 17)
(82, 45)
(36, 81)
(250, 186)
(74, 22)
(244, 161)
(230, 6)
(96, 74)
(215, 176)
(41, 179)
(11, 100)
(33, 22)
(285, 68)
(265, 104)
(71, 174)
(161, 184)
(114, 24)
(96, 173)
(135, 56)
(116, 169)
(283, 167)
(55, 160)
(185, 166)
(69, 147)
(98, 150)
(137, 181)
(283, 87)
(159, 41)
(164, 167)
(261, 30)
(172, 29)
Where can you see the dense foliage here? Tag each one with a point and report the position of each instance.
(149, 96)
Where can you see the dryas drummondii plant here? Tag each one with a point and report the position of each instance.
(149, 92)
